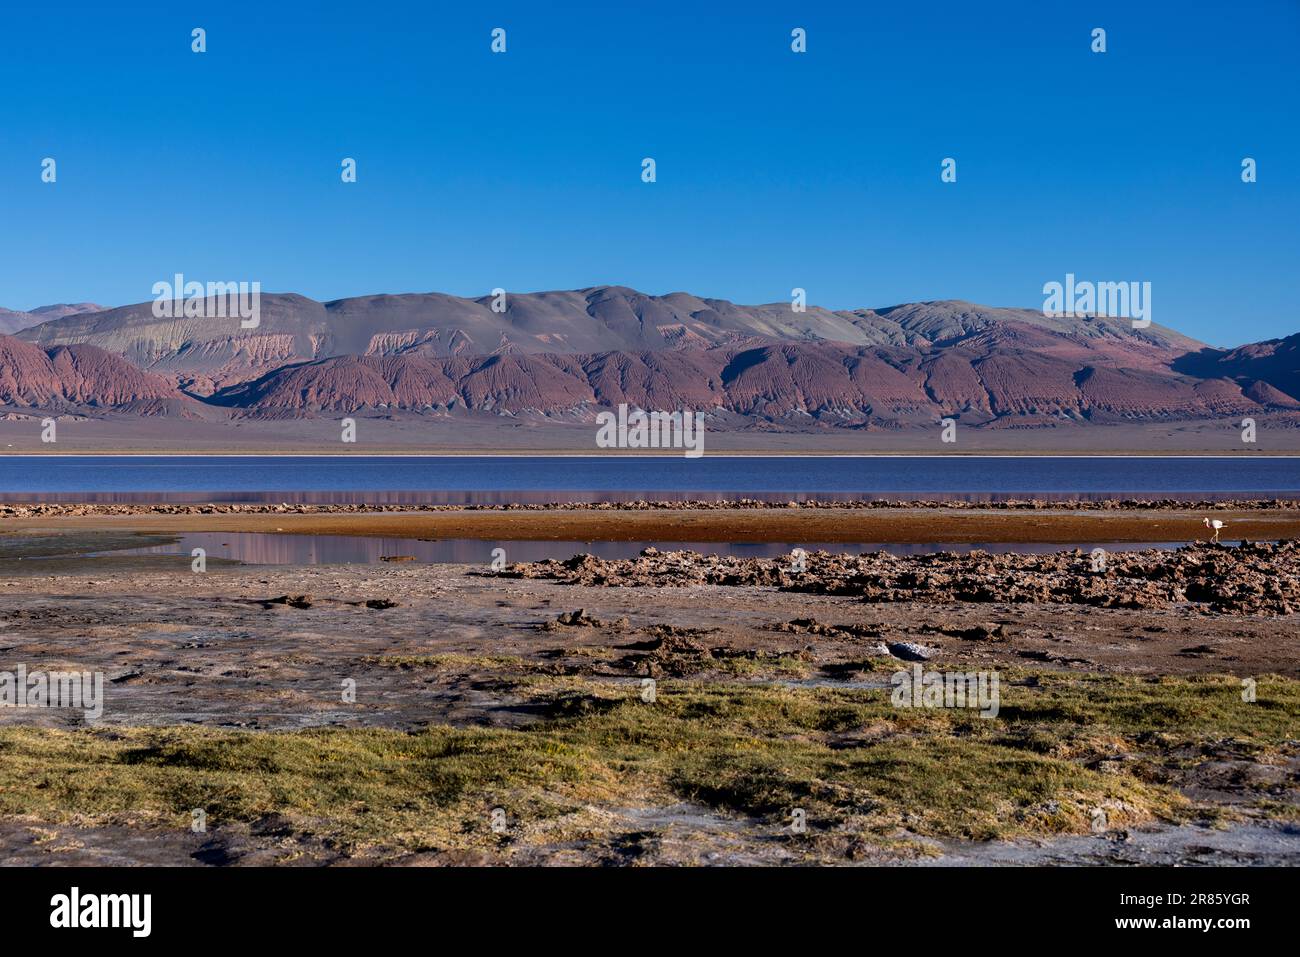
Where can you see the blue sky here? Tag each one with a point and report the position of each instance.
(775, 170)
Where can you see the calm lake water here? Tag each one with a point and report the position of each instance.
(259, 548)
(500, 479)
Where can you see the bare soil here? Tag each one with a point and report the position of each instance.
(269, 648)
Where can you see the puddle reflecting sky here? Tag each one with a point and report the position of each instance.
(266, 548)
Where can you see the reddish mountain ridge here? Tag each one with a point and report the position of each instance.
(797, 384)
(80, 376)
(1267, 371)
(207, 354)
(431, 354)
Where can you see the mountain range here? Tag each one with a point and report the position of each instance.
(563, 355)
(11, 321)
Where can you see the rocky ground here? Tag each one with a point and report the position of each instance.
(270, 649)
(1254, 579)
(267, 646)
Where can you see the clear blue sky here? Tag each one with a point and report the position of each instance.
(775, 170)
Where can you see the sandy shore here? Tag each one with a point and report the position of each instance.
(1067, 528)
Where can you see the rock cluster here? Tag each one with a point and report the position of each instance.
(1254, 578)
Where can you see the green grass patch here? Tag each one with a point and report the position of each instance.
(842, 755)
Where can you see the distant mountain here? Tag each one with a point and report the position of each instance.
(77, 377)
(564, 355)
(1267, 370)
(11, 321)
(798, 384)
(208, 354)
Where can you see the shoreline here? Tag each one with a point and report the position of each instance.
(776, 524)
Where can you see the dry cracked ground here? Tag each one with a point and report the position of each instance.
(411, 713)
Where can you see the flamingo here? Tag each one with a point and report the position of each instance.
(1215, 524)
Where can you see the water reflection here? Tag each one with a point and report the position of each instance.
(268, 548)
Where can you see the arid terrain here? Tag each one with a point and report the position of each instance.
(435, 372)
(412, 713)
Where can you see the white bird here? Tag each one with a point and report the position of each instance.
(1215, 524)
